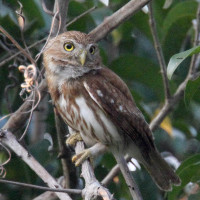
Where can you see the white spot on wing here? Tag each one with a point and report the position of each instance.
(99, 93)
(121, 108)
(112, 101)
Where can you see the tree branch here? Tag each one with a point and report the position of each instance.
(46, 196)
(62, 7)
(117, 18)
(70, 191)
(159, 52)
(168, 106)
(193, 68)
(133, 188)
(17, 45)
(80, 16)
(19, 52)
(10, 140)
(18, 119)
(93, 189)
(113, 172)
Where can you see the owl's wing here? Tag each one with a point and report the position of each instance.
(113, 96)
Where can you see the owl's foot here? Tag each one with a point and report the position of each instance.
(73, 139)
(91, 153)
(78, 159)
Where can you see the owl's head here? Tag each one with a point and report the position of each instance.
(74, 49)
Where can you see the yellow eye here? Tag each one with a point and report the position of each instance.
(92, 49)
(68, 46)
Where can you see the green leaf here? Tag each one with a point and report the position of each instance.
(177, 59)
(191, 88)
(194, 196)
(134, 68)
(83, 24)
(167, 4)
(189, 171)
(189, 161)
(176, 25)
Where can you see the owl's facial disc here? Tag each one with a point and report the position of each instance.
(83, 54)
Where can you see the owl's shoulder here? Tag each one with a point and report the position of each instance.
(105, 76)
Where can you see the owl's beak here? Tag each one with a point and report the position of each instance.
(82, 57)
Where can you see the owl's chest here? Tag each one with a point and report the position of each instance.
(81, 113)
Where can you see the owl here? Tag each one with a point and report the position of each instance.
(96, 103)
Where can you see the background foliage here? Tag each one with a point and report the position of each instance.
(128, 51)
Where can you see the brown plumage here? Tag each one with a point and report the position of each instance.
(95, 101)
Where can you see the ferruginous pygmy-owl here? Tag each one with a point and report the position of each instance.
(94, 101)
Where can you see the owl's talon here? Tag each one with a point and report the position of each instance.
(81, 157)
(73, 139)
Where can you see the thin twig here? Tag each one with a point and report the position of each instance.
(19, 117)
(53, 21)
(193, 67)
(29, 120)
(113, 172)
(159, 52)
(28, 101)
(19, 52)
(169, 105)
(17, 45)
(46, 10)
(9, 155)
(80, 16)
(70, 191)
(45, 38)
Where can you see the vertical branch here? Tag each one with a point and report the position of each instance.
(64, 158)
(193, 68)
(39, 120)
(159, 52)
(133, 188)
(93, 189)
(62, 7)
